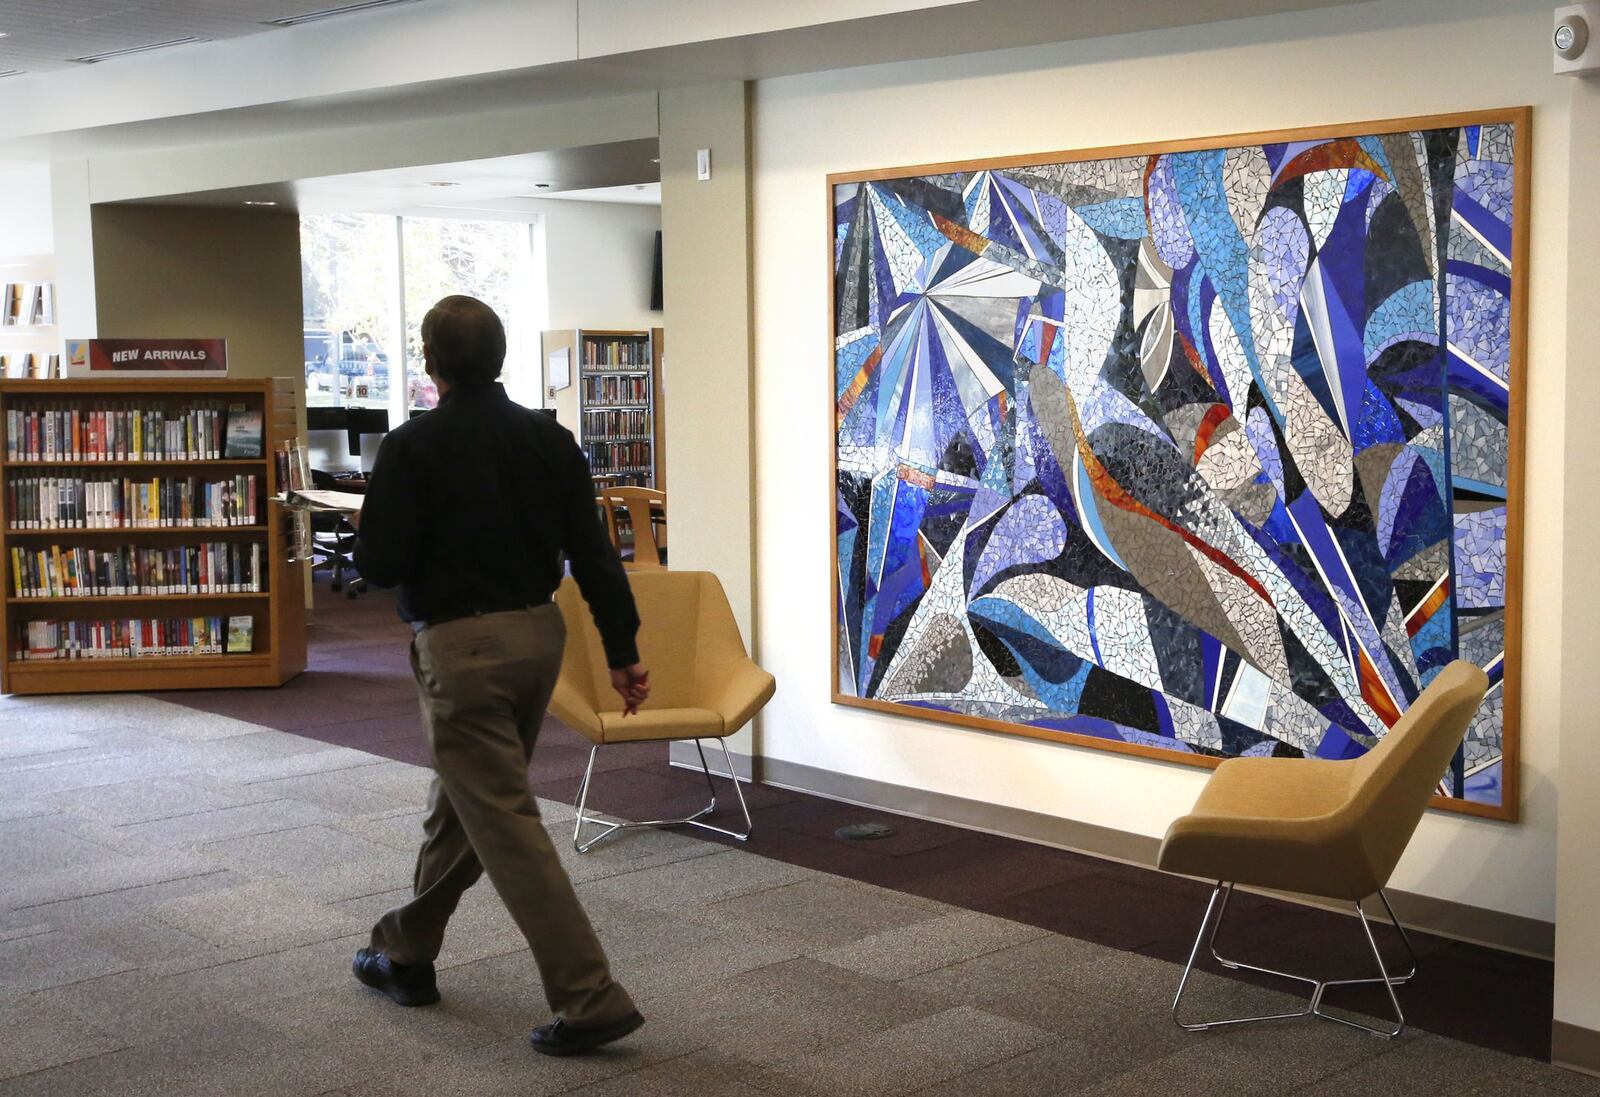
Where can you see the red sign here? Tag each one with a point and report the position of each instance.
(86, 357)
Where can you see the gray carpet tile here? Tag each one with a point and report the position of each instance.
(184, 892)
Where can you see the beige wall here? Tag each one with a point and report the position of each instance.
(166, 271)
(706, 255)
(706, 249)
(1380, 60)
(1578, 857)
(599, 257)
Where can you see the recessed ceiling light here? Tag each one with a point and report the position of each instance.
(328, 13)
(441, 183)
(258, 202)
(95, 58)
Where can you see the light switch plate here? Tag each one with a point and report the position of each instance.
(702, 164)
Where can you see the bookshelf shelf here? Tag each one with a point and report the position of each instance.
(79, 641)
(135, 532)
(233, 462)
(120, 599)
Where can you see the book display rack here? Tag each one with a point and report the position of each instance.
(139, 554)
(30, 343)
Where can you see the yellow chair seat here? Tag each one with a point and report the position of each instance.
(703, 684)
(650, 724)
(1330, 829)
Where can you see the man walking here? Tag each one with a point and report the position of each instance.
(468, 510)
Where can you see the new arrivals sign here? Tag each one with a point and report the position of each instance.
(147, 357)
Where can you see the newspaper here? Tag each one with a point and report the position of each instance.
(345, 502)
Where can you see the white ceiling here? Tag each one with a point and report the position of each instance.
(47, 34)
(634, 194)
(621, 171)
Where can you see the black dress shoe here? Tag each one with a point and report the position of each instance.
(560, 1038)
(406, 984)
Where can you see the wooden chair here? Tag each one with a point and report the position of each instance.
(608, 517)
(703, 684)
(646, 509)
(1330, 829)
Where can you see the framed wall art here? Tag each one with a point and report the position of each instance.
(1191, 451)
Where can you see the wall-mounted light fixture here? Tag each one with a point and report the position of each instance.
(1573, 40)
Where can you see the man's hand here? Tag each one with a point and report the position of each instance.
(634, 685)
(354, 518)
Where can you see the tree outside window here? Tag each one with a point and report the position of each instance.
(363, 335)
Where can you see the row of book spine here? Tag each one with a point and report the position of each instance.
(600, 354)
(75, 502)
(28, 303)
(219, 567)
(131, 637)
(616, 390)
(616, 426)
(115, 431)
(27, 366)
(609, 456)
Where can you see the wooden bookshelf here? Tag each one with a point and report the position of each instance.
(278, 610)
(617, 377)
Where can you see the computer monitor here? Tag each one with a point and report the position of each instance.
(334, 432)
(366, 427)
(325, 419)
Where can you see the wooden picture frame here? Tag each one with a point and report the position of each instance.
(1520, 119)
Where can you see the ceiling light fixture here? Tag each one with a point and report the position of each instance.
(442, 183)
(126, 51)
(9, 72)
(541, 186)
(258, 202)
(328, 13)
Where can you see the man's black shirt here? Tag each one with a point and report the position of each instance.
(469, 508)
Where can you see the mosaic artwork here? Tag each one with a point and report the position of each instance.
(1201, 452)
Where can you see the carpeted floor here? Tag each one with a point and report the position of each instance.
(183, 893)
(357, 693)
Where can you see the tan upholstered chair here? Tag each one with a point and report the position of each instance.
(702, 683)
(1329, 829)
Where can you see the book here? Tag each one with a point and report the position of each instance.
(244, 434)
(241, 635)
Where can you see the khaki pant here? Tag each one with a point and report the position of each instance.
(484, 683)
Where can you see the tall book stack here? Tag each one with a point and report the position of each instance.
(616, 392)
(142, 548)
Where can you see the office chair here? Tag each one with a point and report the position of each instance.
(333, 540)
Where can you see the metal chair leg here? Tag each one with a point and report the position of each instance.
(1224, 891)
(694, 820)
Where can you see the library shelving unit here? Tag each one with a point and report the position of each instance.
(277, 611)
(616, 375)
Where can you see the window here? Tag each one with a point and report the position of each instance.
(348, 286)
(369, 279)
(483, 259)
